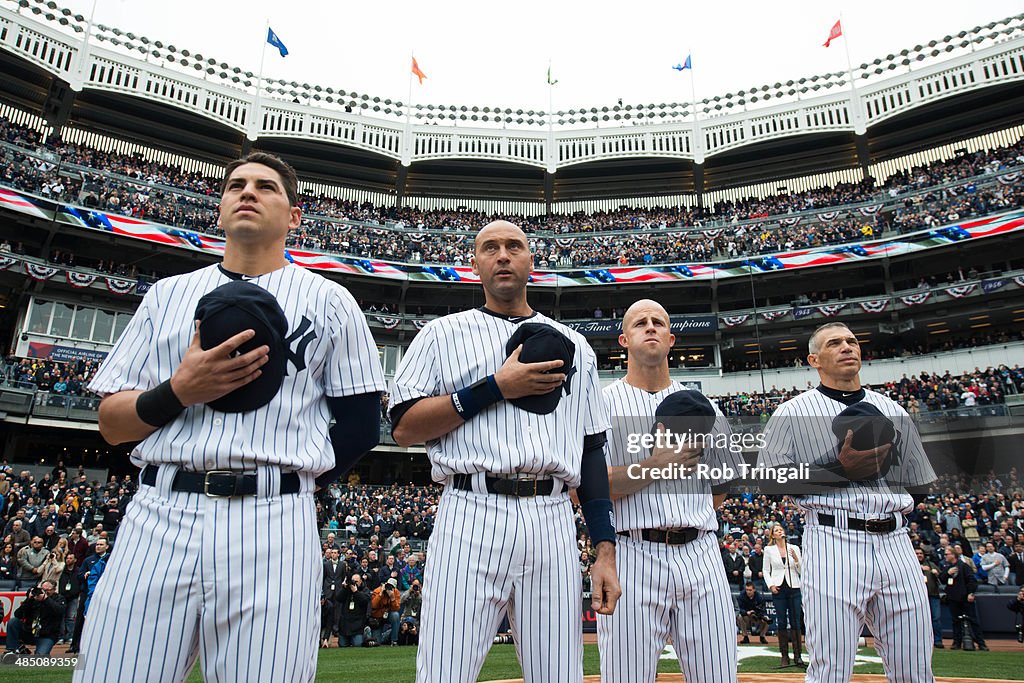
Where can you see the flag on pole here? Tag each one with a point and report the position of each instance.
(836, 31)
(685, 65)
(551, 81)
(417, 71)
(276, 42)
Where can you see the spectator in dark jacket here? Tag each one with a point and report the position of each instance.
(353, 613)
(960, 583)
(70, 589)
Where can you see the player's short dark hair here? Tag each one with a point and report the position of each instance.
(749, 584)
(812, 344)
(287, 173)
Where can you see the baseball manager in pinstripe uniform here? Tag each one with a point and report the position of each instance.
(228, 377)
(859, 566)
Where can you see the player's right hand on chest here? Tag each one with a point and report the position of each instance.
(861, 465)
(517, 379)
(206, 375)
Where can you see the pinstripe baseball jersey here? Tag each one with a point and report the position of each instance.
(666, 503)
(330, 353)
(451, 353)
(800, 432)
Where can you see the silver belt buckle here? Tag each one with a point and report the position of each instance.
(206, 483)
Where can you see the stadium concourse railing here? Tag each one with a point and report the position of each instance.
(24, 400)
(87, 176)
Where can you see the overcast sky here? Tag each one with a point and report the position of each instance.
(489, 54)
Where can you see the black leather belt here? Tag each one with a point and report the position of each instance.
(218, 483)
(874, 526)
(520, 488)
(668, 536)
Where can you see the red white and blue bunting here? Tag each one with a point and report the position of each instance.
(869, 210)
(915, 299)
(961, 291)
(734, 320)
(388, 323)
(1009, 178)
(1019, 280)
(120, 287)
(6, 262)
(828, 216)
(37, 272)
(876, 306)
(792, 220)
(80, 280)
(769, 316)
(831, 310)
(420, 324)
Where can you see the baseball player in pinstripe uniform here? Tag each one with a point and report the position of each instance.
(670, 568)
(858, 563)
(504, 540)
(219, 551)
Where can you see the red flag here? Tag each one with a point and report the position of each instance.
(417, 71)
(836, 31)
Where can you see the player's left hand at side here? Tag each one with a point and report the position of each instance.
(205, 376)
(604, 580)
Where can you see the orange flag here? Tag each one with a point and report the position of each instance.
(836, 31)
(417, 71)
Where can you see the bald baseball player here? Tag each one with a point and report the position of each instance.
(859, 566)
(509, 437)
(673, 582)
(219, 552)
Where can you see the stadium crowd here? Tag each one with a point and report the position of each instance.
(58, 530)
(57, 534)
(870, 352)
(917, 394)
(132, 186)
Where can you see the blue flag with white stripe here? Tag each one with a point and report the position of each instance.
(685, 65)
(276, 42)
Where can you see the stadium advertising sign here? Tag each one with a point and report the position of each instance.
(681, 325)
(63, 354)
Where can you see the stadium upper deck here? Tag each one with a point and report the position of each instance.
(170, 98)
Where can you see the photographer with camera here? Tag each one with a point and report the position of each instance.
(353, 611)
(37, 621)
(385, 605)
(1017, 605)
(751, 617)
(412, 603)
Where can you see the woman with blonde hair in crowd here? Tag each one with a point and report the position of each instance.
(53, 566)
(782, 574)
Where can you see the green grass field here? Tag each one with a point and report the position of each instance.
(398, 665)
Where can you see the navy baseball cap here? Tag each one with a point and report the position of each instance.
(235, 307)
(692, 405)
(542, 343)
(871, 428)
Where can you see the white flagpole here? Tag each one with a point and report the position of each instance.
(256, 123)
(551, 98)
(693, 89)
(846, 47)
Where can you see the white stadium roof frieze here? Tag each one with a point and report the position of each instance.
(118, 63)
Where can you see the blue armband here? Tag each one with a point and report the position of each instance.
(469, 402)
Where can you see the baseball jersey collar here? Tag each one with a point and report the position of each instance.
(845, 397)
